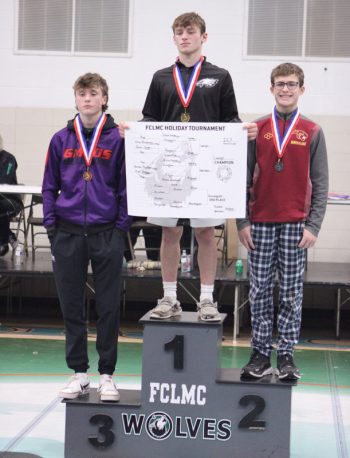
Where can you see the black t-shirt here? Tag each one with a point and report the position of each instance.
(213, 98)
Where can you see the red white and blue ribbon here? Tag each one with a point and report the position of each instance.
(88, 152)
(279, 140)
(186, 94)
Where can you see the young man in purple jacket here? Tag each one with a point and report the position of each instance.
(85, 214)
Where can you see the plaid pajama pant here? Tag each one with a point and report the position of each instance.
(276, 249)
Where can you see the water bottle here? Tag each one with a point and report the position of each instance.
(19, 254)
(185, 262)
(189, 266)
(239, 268)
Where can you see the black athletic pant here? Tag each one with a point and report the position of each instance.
(8, 209)
(71, 256)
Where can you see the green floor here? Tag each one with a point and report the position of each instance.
(24, 359)
(320, 426)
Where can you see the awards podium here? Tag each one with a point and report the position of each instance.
(187, 406)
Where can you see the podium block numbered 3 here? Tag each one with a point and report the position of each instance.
(187, 406)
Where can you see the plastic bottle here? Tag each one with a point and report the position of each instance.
(189, 266)
(185, 262)
(239, 268)
(19, 254)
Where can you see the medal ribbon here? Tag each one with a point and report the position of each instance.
(281, 143)
(88, 153)
(186, 94)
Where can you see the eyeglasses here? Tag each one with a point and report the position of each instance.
(291, 85)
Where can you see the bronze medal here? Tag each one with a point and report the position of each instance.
(185, 117)
(87, 175)
(88, 153)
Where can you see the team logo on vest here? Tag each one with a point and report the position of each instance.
(301, 135)
(301, 138)
(268, 136)
(207, 82)
(159, 425)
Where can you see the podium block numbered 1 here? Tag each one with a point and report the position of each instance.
(187, 406)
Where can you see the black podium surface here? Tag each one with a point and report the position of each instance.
(187, 407)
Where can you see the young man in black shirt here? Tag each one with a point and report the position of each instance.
(192, 90)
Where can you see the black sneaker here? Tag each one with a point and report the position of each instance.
(286, 369)
(4, 248)
(258, 366)
(13, 240)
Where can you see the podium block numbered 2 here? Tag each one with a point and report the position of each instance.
(187, 406)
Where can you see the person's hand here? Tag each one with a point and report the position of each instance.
(122, 126)
(252, 129)
(245, 237)
(308, 240)
(51, 231)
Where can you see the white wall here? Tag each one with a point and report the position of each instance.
(36, 96)
(46, 81)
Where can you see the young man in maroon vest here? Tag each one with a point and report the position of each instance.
(287, 197)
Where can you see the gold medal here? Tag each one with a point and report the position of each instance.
(185, 117)
(87, 175)
(185, 92)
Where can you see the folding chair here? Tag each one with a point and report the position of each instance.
(35, 220)
(18, 225)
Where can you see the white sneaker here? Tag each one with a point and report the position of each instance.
(166, 308)
(107, 389)
(78, 385)
(208, 310)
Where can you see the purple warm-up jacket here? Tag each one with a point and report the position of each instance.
(69, 198)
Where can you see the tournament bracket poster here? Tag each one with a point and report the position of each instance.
(186, 170)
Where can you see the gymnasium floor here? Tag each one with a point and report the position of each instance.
(32, 369)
